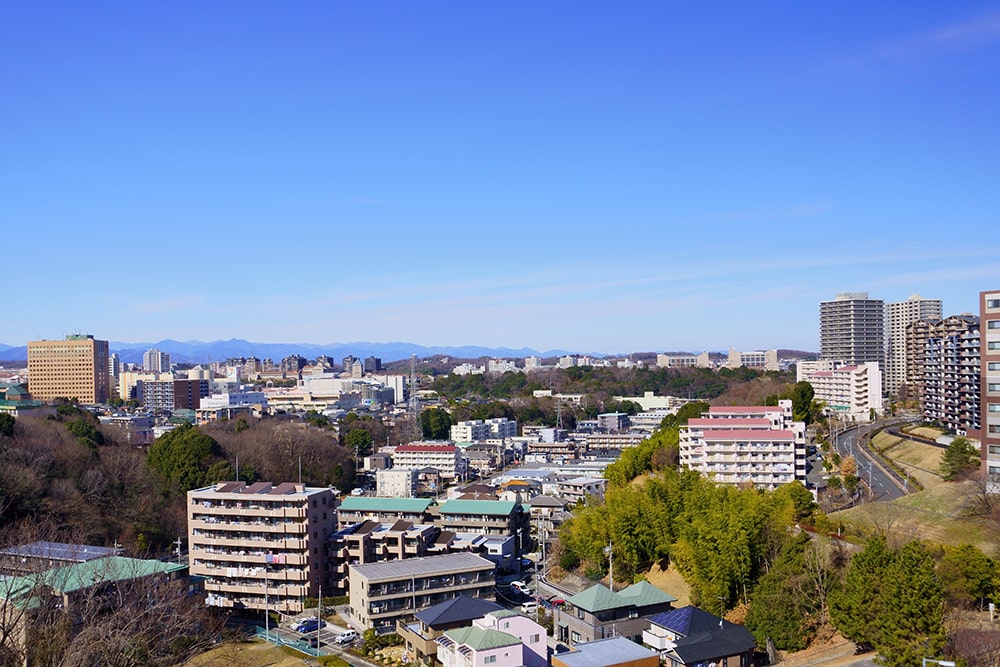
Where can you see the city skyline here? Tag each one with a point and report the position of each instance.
(599, 179)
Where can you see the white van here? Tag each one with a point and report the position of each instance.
(529, 608)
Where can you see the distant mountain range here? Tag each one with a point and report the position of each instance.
(193, 351)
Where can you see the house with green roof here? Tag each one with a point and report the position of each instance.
(599, 612)
(501, 638)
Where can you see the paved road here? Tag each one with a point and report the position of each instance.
(881, 482)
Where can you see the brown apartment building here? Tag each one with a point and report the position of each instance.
(989, 346)
(76, 367)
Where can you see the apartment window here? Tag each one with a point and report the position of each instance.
(993, 303)
(993, 345)
(993, 386)
(993, 324)
(994, 428)
(994, 450)
(993, 366)
(535, 638)
(489, 659)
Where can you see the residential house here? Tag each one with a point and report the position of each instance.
(610, 652)
(598, 612)
(420, 634)
(500, 639)
(689, 636)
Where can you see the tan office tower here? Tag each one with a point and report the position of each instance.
(76, 367)
(989, 388)
(898, 316)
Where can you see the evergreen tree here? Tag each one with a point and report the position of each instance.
(783, 606)
(857, 605)
(960, 457)
(912, 618)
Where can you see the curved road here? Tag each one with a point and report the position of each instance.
(883, 483)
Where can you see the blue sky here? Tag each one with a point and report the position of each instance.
(597, 177)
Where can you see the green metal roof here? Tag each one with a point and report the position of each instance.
(494, 507)
(79, 576)
(596, 598)
(644, 593)
(481, 639)
(376, 504)
(600, 598)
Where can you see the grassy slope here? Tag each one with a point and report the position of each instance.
(934, 514)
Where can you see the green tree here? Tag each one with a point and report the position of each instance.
(967, 574)
(783, 605)
(184, 456)
(911, 625)
(435, 424)
(959, 458)
(7, 422)
(359, 440)
(857, 605)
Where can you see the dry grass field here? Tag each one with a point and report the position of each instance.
(938, 513)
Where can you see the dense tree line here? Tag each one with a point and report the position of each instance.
(100, 489)
(745, 549)
(600, 383)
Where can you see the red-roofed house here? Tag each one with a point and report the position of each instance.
(758, 445)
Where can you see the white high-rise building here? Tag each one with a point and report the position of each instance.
(155, 361)
(897, 317)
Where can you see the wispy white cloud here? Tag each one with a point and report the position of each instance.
(964, 35)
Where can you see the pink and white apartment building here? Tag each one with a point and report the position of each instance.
(758, 445)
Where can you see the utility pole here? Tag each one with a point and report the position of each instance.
(611, 571)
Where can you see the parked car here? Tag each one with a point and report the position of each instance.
(520, 586)
(347, 637)
(309, 625)
(529, 608)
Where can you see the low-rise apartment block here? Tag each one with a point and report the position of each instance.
(851, 391)
(385, 593)
(444, 457)
(354, 510)
(259, 545)
(759, 445)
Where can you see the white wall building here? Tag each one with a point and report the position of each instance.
(445, 457)
(850, 391)
(760, 445)
(396, 483)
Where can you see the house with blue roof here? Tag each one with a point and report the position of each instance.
(692, 637)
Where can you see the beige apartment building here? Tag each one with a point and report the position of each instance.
(76, 367)
(260, 546)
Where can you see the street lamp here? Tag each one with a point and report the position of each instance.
(943, 663)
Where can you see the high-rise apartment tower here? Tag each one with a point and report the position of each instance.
(852, 329)
(897, 317)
